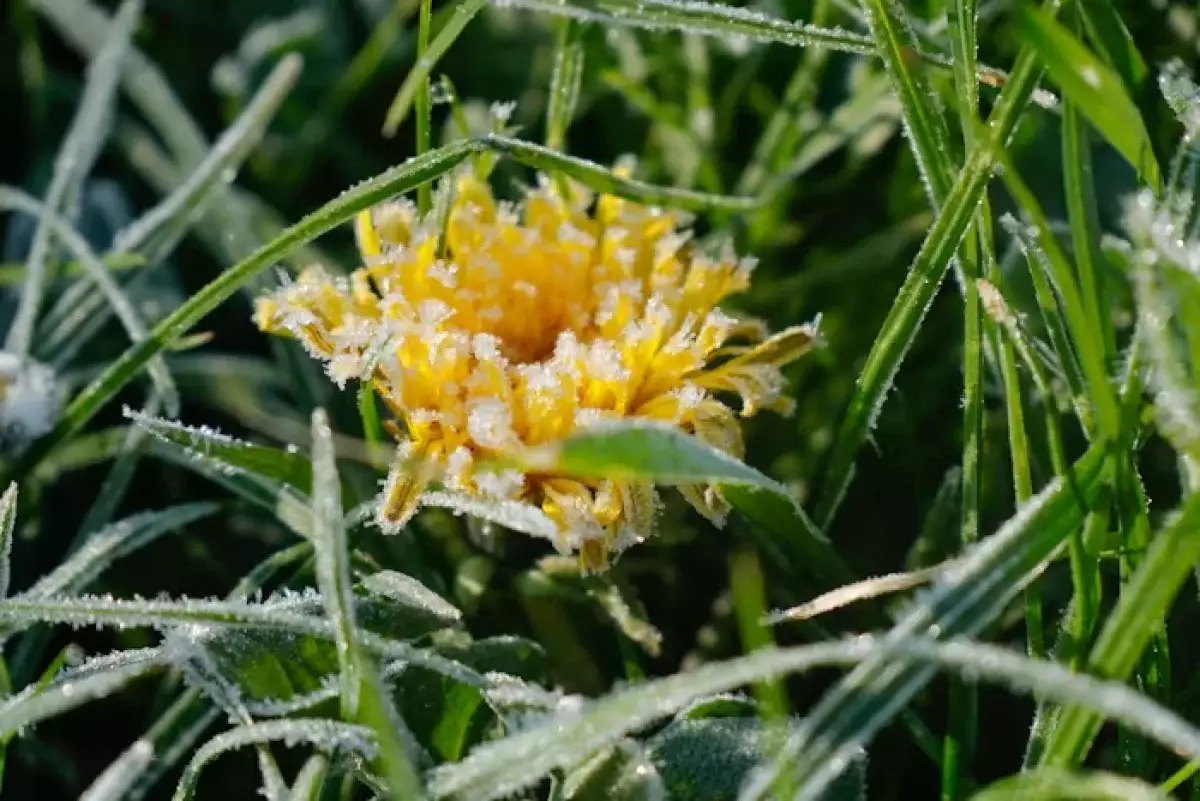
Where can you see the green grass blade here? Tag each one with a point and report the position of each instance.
(565, 79)
(362, 695)
(972, 594)
(1088, 343)
(1143, 604)
(418, 76)
(1107, 30)
(1097, 90)
(923, 119)
(920, 286)
(79, 151)
(8, 523)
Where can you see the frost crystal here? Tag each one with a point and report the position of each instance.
(30, 401)
(517, 324)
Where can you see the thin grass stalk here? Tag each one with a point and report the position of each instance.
(915, 296)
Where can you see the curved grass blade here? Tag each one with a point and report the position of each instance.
(79, 151)
(1097, 91)
(122, 773)
(462, 14)
(94, 679)
(1107, 30)
(495, 769)
(327, 735)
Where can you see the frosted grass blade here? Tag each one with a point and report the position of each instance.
(1053, 783)
(78, 152)
(97, 274)
(8, 523)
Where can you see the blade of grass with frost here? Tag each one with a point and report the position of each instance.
(307, 786)
(173, 215)
(327, 735)
(97, 678)
(1096, 90)
(1143, 603)
(565, 79)
(115, 782)
(968, 597)
(78, 152)
(1089, 785)
(361, 692)
(22, 611)
(450, 29)
(8, 523)
(920, 286)
(920, 108)
(522, 759)
(1088, 343)
(712, 19)
(11, 198)
(783, 129)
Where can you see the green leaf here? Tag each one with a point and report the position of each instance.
(1098, 91)
(277, 671)
(708, 759)
(1053, 784)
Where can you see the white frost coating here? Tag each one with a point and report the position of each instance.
(30, 403)
(326, 735)
(516, 515)
(406, 590)
(119, 777)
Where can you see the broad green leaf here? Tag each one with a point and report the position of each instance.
(1097, 91)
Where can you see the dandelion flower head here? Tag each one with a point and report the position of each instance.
(493, 327)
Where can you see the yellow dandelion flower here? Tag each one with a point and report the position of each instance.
(518, 324)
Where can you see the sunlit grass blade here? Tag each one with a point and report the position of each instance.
(1098, 91)
(79, 151)
(461, 14)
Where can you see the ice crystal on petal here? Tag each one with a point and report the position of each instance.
(497, 327)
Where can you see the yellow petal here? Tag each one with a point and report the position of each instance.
(412, 471)
(369, 244)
